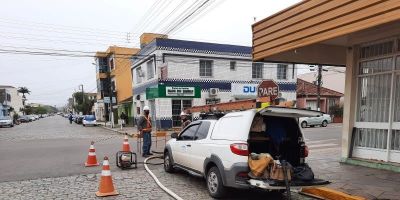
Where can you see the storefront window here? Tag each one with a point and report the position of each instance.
(374, 98)
(371, 138)
(396, 104)
(177, 107)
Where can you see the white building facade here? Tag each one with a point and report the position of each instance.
(171, 75)
(15, 101)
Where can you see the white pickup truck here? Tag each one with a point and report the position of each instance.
(218, 149)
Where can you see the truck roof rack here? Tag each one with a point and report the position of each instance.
(212, 115)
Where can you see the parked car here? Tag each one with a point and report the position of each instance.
(32, 117)
(6, 121)
(218, 149)
(89, 120)
(322, 120)
(78, 119)
(25, 119)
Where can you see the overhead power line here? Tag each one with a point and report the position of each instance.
(62, 27)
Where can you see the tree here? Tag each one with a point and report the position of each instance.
(82, 103)
(336, 110)
(23, 91)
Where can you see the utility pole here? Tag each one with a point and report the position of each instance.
(83, 97)
(111, 114)
(319, 83)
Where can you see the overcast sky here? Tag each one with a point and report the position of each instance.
(93, 25)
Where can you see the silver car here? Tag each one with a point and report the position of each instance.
(6, 121)
(322, 121)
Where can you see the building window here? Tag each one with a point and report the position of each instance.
(206, 68)
(233, 65)
(177, 107)
(113, 86)
(102, 66)
(257, 70)
(150, 70)
(139, 75)
(111, 62)
(282, 71)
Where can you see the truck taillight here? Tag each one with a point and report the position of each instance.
(240, 149)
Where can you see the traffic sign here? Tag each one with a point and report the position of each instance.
(268, 88)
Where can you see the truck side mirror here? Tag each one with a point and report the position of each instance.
(174, 135)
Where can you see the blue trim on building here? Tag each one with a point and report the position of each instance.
(223, 85)
(193, 46)
(206, 84)
(164, 123)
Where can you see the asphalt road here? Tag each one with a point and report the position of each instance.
(52, 152)
(51, 147)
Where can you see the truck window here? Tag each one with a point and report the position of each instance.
(202, 131)
(189, 133)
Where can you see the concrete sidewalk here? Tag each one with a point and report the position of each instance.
(131, 131)
(355, 180)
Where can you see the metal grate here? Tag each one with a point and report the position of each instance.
(374, 98)
(378, 49)
(371, 138)
(395, 142)
(375, 66)
(396, 103)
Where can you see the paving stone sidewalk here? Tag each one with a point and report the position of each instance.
(370, 183)
(132, 184)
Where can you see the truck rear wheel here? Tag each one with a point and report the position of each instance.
(215, 185)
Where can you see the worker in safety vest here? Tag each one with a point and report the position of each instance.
(144, 127)
(184, 119)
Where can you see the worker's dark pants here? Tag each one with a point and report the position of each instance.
(146, 143)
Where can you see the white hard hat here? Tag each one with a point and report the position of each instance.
(146, 108)
(183, 113)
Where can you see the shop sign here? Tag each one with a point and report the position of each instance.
(168, 91)
(246, 90)
(172, 91)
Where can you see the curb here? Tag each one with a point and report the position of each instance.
(117, 131)
(371, 164)
(329, 194)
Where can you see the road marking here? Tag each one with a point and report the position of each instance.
(325, 149)
(319, 141)
(322, 145)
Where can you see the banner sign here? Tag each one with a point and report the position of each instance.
(244, 90)
(179, 91)
(169, 91)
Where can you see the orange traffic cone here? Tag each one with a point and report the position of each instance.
(125, 145)
(91, 159)
(106, 187)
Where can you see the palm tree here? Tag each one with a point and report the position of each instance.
(23, 90)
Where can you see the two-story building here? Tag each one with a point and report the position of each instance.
(171, 75)
(11, 99)
(114, 82)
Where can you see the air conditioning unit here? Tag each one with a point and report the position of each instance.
(213, 91)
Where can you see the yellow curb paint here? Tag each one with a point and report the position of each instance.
(330, 194)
